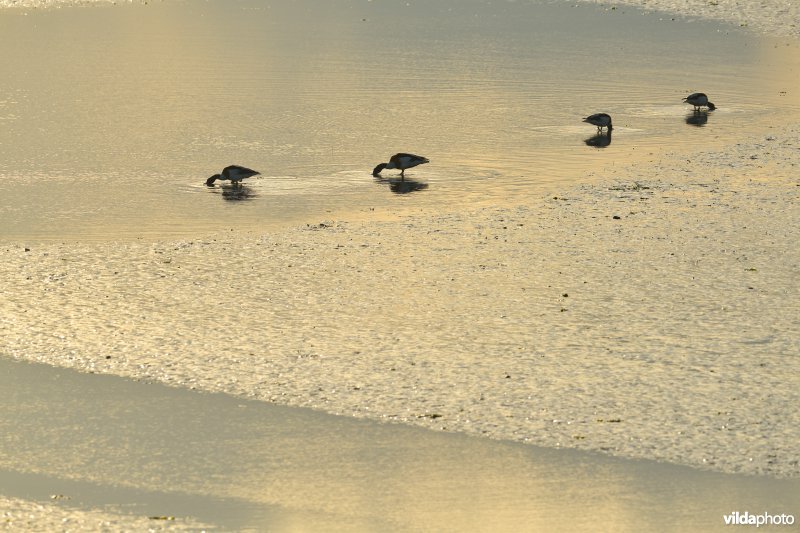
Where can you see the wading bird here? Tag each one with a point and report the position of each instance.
(699, 100)
(401, 161)
(601, 120)
(234, 173)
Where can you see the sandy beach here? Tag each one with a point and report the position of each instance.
(647, 312)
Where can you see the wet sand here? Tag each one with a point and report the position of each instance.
(774, 17)
(650, 313)
(563, 321)
(239, 465)
(24, 515)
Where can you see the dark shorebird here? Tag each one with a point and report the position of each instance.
(699, 100)
(601, 120)
(401, 161)
(234, 173)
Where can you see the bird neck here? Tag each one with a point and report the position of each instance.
(377, 170)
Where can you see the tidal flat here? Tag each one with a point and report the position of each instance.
(637, 300)
(649, 318)
(570, 321)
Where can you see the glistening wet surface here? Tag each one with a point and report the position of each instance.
(112, 117)
(146, 449)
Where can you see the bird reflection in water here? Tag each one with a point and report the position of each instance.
(697, 118)
(236, 193)
(401, 185)
(601, 140)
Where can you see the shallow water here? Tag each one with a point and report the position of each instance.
(146, 449)
(112, 117)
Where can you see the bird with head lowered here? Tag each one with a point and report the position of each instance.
(699, 100)
(401, 161)
(601, 120)
(233, 173)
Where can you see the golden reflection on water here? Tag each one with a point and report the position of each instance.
(143, 101)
